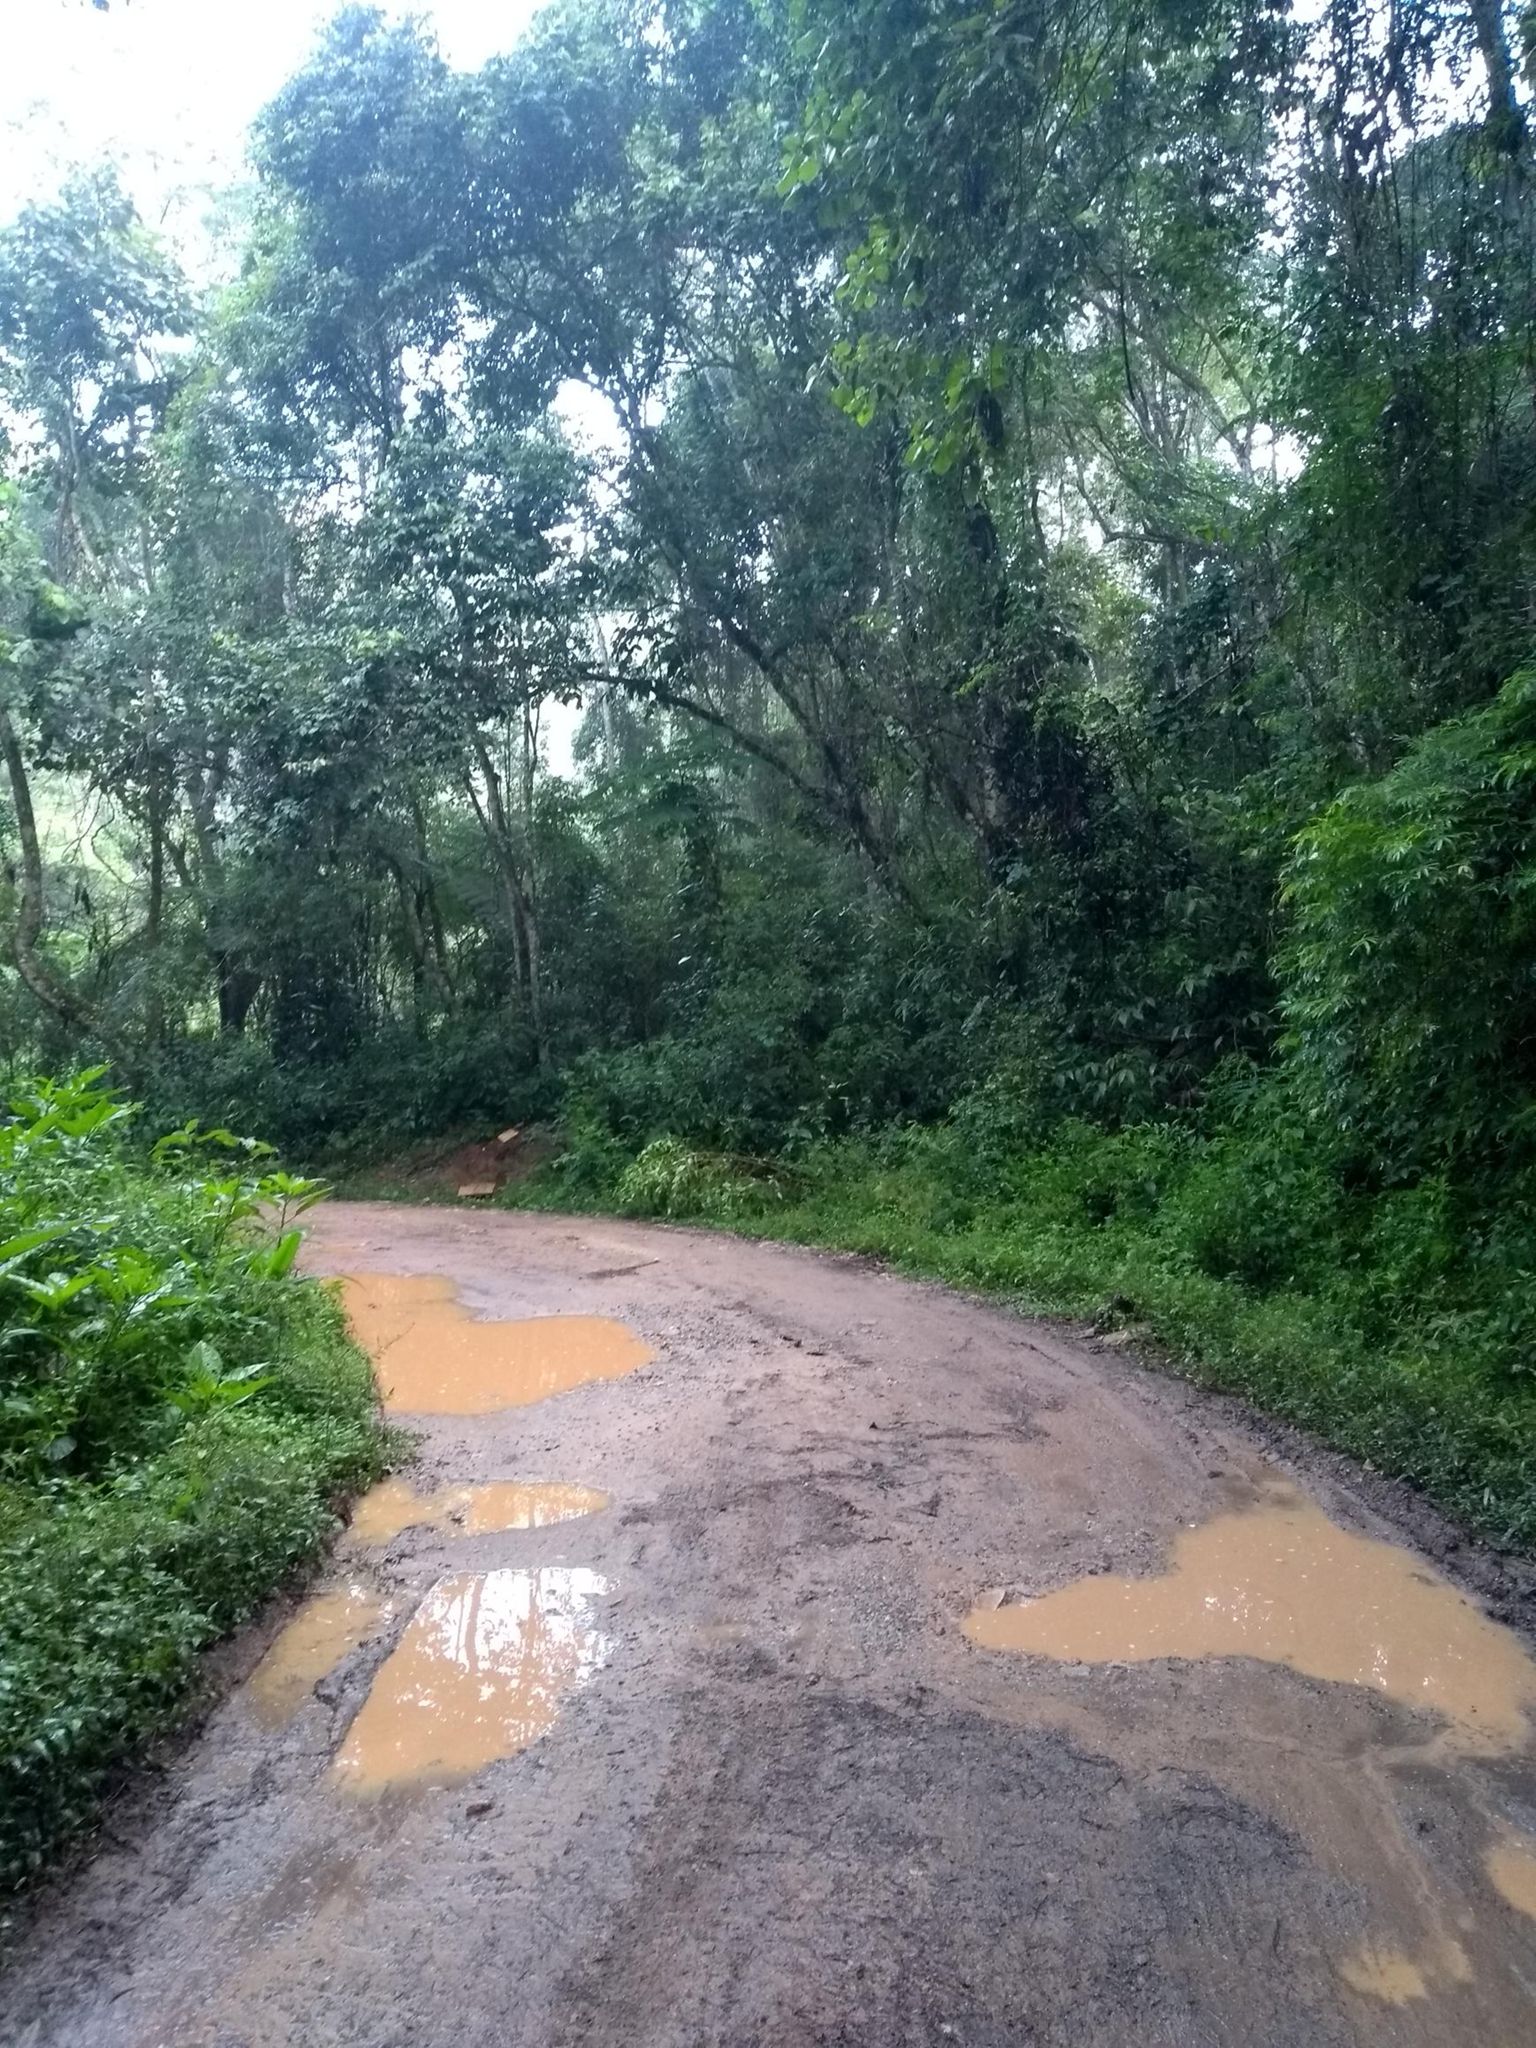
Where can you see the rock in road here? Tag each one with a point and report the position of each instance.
(747, 1758)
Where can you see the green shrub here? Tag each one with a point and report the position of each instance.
(178, 1415)
(394, 1087)
(1411, 972)
(670, 1179)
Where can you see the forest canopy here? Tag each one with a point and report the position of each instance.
(942, 587)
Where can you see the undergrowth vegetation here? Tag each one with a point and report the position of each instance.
(1397, 1321)
(178, 1412)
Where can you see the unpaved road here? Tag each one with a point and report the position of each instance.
(785, 1799)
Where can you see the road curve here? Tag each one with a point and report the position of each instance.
(780, 1790)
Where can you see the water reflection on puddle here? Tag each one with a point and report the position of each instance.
(479, 1673)
(312, 1644)
(431, 1358)
(395, 1505)
(1283, 1583)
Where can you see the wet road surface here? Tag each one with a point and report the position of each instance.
(765, 1650)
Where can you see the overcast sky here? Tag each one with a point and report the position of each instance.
(170, 86)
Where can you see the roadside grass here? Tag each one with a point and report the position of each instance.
(1398, 1324)
(180, 1415)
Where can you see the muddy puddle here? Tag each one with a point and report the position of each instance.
(387, 1510)
(432, 1358)
(1396, 1978)
(480, 1673)
(314, 1643)
(1282, 1583)
(1511, 1868)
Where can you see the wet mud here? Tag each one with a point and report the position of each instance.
(877, 1671)
(1394, 1978)
(433, 1358)
(1284, 1583)
(1512, 1873)
(394, 1506)
(325, 1628)
(479, 1673)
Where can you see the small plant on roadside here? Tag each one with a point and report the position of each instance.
(672, 1179)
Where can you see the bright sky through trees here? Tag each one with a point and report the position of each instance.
(170, 86)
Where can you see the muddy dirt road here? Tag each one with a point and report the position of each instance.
(829, 1661)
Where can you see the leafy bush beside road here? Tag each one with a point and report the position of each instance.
(178, 1411)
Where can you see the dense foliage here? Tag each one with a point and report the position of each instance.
(177, 1412)
(1023, 517)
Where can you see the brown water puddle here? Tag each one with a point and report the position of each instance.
(1512, 1873)
(1283, 1583)
(479, 1673)
(313, 1643)
(1379, 1970)
(395, 1505)
(432, 1358)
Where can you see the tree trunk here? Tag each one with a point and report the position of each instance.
(154, 918)
(523, 925)
(35, 973)
(1505, 122)
(237, 983)
(239, 987)
(431, 909)
(426, 968)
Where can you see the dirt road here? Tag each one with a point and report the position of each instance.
(851, 1664)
